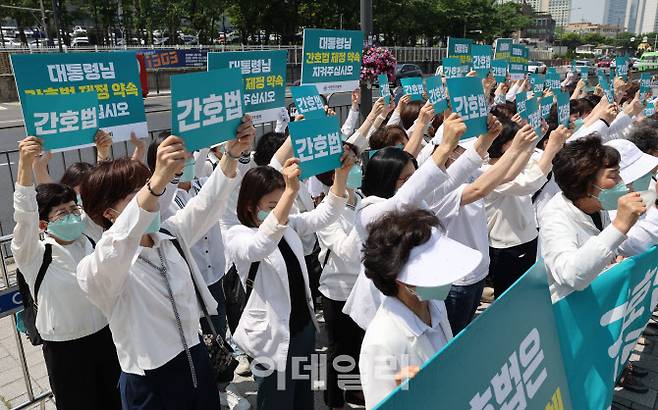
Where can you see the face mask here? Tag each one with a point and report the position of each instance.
(261, 215)
(188, 171)
(155, 224)
(355, 177)
(609, 197)
(578, 123)
(642, 184)
(433, 293)
(68, 228)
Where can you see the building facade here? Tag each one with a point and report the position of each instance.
(641, 16)
(605, 30)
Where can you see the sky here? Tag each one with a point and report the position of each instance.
(590, 11)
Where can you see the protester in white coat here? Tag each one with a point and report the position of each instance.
(413, 264)
(278, 322)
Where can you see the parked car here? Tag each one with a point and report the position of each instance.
(536, 66)
(80, 42)
(407, 70)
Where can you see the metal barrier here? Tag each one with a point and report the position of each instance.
(10, 303)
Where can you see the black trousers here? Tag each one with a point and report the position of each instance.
(345, 338)
(84, 373)
(509, 264)
(462, 303)
(170, 387)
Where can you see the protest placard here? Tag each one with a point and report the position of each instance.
(62, 121)
(317, 144)
(112, 77)
(264, 80)
(481, 55)
(332, 59)
(413, 87)
(437, 94)
(308, 101)
(206, 107)
(467, 99)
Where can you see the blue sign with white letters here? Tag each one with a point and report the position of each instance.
(10, 301)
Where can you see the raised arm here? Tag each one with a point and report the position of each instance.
(425, 117)
(139, 152)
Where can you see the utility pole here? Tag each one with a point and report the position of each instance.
(43, 21)
(56, 18)
(366, 27)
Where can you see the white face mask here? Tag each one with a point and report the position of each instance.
(423, 293)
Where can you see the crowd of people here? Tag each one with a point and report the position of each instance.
(161, 276)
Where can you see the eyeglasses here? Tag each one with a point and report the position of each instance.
(73, 210)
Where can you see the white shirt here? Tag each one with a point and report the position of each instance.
(576, 252)
(350, 123)
(341, 241)
(134, 296)
(510, 214)
(264, 330)
(399, 338)
(64, 312)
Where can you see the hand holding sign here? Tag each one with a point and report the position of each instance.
(170, 160)
(347, 161)
(524, 138)
(244, 138)
(28, 149)
(291, 172)
(426, 114)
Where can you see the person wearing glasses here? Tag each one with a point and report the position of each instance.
(83, 368)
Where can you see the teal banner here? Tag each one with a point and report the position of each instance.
(609, 91)
(563, 108)
(645, 86)
(546, 104)
(499, 70)
(622, 67)
(460, 48)
(553, 80)
(650, 109)
(503, 49)
(113, 78)
(206, 107)
(584, 74)
(599, 326)
(522, 104)
(454, 68)
(413, 87)
(508, 358)
(308, 102)
(481, 55)
(537, 82)
(332, 59)
(317, 144)
(467, 99)
(518, 64)
(534, 115)
(436, 93)
(384, 88)
(62, 121)
(264, 80)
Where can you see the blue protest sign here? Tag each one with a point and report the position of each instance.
(460, 48)
(453, 68)
(308, 101)
(552, 80)
(537, 82)
(534, 115)
(546, 104)
(521, 104)
(317, 144)
(584, 74)
(168, 58)
(563, 108)
(264, 80)
(467, 99)
(503, 49)
(413, 87)
(206, 107)
(62, 121)
(603, 82)
(599, 326)
(111, 77)
(645, 86)
(499, 70)
(332, 59)
(10, 301)
(518, 367)
(437, 94)
(650, 109)
(518, 64)
(481, 55)
(622, 67)
(384, 88)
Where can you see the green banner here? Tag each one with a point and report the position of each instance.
(317, 144)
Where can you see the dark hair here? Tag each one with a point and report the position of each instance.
(152, 151)
(645, 137)
(327, 178)
(257, 182)
(52, 195)
(383, 171)
(267, 146)
(75, 174)
(505, 111)
(387, 136)
(108, 183)
(629, 92)
(577, 106)
(390, 241)
(588, 104)
(576, 164)
(409, 113)
(510, 129)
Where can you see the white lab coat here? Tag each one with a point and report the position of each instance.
(576, 252)
(264, 331)
(398, 338)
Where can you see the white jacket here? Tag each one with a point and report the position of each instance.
(576, 252)
(264, 331)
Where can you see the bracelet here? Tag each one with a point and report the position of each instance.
(148, 186)
(235, 158)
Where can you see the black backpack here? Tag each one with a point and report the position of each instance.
(29, 305)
